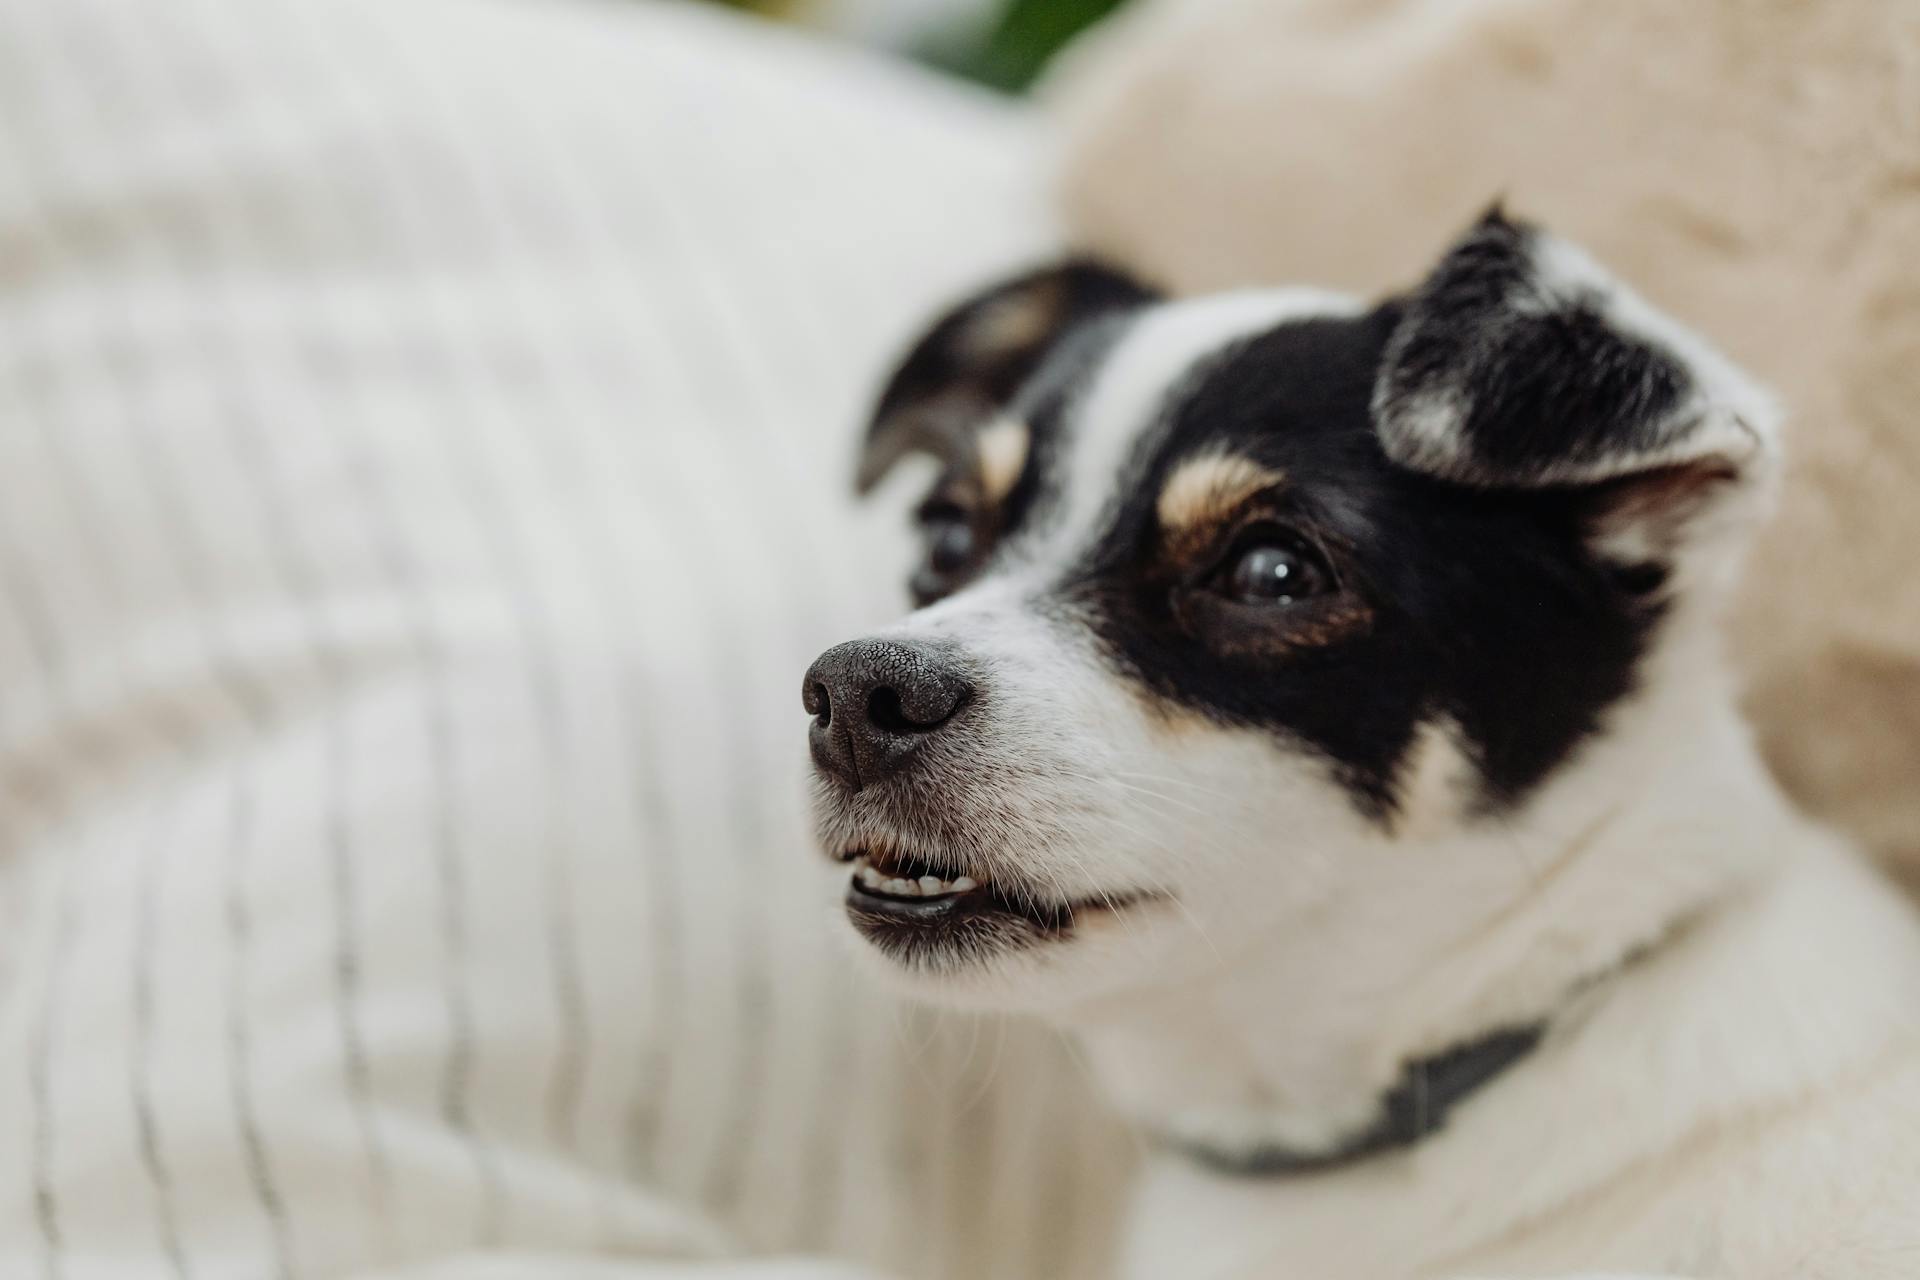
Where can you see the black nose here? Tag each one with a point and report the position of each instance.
(874, 702)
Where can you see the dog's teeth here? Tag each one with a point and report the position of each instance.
(875, 880)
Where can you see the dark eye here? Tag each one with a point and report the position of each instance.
(1271, 566)
(951, 541)
(952, 544)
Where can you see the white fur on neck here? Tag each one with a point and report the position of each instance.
(1799, 990)
(1439, 941)
(1708, 962)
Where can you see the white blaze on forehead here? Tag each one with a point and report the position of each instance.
(1001, 447)
(1435, 780)
(1210, 486)
(1131, 388)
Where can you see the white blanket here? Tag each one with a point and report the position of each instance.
(425, 432)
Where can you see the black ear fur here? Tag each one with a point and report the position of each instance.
(1519, 362)
(969, 366)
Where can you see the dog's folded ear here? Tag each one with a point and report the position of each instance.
(1519, 362)
(969, 366)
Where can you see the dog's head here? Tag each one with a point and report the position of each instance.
(1236, 609)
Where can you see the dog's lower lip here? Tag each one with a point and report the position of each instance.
(920, 910)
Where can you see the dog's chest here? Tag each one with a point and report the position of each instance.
(1389, 1218)
(1188, 1221)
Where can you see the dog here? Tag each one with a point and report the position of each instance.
(1318, 709)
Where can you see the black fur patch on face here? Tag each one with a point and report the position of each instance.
(1483, 606)
(1529, 373)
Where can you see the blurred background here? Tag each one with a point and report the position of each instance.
(1000, 43)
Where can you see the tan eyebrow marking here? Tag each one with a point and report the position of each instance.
(1209, 488)
(1001, 448)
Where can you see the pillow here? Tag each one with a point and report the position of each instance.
(1750, 167)
(428, 435)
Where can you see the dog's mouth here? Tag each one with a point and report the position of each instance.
(921, 909)
(913, 888)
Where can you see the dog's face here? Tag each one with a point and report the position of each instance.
(1233, 606)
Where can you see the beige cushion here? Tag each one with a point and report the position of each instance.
(1753, 167)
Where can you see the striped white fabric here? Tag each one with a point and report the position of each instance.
(425, 434)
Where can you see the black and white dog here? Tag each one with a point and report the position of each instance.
(1319, 709)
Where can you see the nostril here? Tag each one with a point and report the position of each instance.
(886, 713)
(822, 703)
